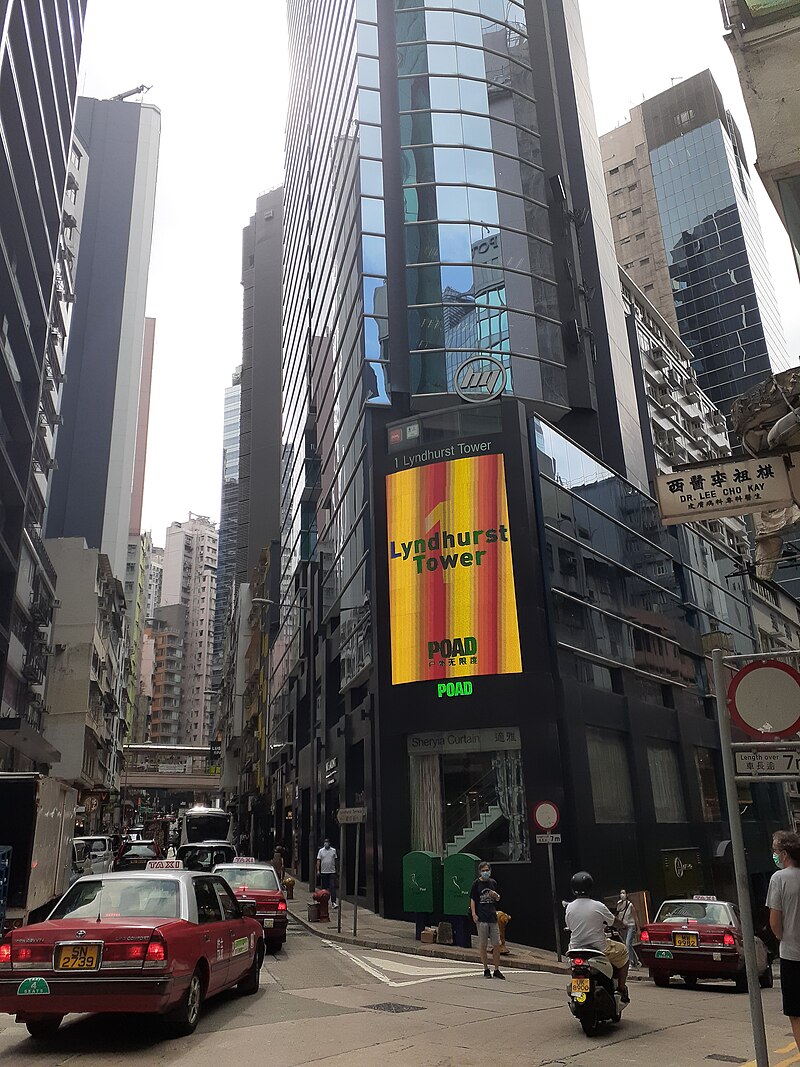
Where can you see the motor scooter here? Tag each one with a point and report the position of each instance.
(592, 992)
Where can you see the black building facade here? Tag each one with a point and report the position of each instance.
(460, 217)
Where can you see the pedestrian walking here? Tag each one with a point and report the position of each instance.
(627, 922)
(483, 899)
(783, 901)
(278, 863)
(326, 869)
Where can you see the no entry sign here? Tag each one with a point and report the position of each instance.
(546, 816)
(764, 699)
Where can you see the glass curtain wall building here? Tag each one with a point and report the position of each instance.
(229, 512)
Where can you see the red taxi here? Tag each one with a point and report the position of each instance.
(699, 938)
(259, 882)
(158, 941)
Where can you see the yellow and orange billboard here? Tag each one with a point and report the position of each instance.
(452, 601)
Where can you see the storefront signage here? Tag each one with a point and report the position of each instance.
(452, 598)
(505, 740)
(455, 689)
(735, 487)
(683, 871)
(480, 379)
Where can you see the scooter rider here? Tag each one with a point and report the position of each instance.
(587, 920)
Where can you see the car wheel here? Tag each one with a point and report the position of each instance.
(250, 983)
(42, 1028)
(184, 1019)
(274, 946)
(690, 981)
(741, 982)
(765, 979)
(661, 980)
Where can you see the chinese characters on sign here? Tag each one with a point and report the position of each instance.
(733, 487)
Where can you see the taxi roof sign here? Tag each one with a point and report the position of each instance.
(244, 859)
(164, 865)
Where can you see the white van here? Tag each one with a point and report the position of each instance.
(100, 851)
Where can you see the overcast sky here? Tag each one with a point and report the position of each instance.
(219, 76)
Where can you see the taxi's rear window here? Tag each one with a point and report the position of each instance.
(120, 898)
(140, 848)
(253, 877)
(205, 857)
(675, 911)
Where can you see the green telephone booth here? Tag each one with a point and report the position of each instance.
(422, 882)
(460, 871)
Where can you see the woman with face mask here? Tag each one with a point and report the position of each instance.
(627, 922)
(783, 901)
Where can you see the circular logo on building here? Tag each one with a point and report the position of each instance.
(479, 379)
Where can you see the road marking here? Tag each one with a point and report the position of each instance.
(372, 969)
(778, 1051)
(406, 968)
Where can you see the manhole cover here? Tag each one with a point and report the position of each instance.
(725, 1059)
(395, 1008)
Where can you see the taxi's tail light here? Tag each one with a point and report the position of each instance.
(5, 955)
(156, 954)
(31, 953)
(281, 905)
(644, 936)
(729, 940)
(124, 952)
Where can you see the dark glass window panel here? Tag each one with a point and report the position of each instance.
(424, 285)
(416, 129)
(412, 59)
(410, 24)
(418, 164)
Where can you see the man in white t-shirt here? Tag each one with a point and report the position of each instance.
(783, 901)
(587, 920)
(326, 870)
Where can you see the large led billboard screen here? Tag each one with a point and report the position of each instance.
(452, 601)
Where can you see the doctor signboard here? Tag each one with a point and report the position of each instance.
(732, 487)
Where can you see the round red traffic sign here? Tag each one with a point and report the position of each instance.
(546, 816)
(764, 699)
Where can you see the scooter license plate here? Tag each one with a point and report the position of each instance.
(580, 985)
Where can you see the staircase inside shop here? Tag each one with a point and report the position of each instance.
(471, 815)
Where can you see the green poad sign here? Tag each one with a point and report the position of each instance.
(33, 987)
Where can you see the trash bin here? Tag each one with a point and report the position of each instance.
(422, 883)
(321, 898)
(460, 871)
(313, 913)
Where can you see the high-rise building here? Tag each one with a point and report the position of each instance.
(189, 579)
(142, 428)
(155, 580)
(96, 452)
(686, 229)
(229, 510)
(260, 408)
(167, 633)
(764, 40)
(42, 185)
(478, 606)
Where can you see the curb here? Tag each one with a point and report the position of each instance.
(460, 955)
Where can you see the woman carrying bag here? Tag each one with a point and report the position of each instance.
(627, 922)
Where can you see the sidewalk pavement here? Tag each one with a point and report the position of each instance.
(373, 931)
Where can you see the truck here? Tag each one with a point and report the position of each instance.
(37, 820)
(199, 824)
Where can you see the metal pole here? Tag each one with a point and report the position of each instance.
(739, 862)
(355, 888)
(342, 877)
(556, 922)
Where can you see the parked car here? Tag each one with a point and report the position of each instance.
(206, 855)
(81, 861)
(101, 853)
(159, 941)
(699, 938)
(135, 855)
(259, 882)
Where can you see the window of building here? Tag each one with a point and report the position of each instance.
(640, 236)
(630, 163)
(685, 117)
(624, 215)
(614, 170)
(625, 241)
(709, 790)
(636, 211)
(610, 775)
(627, 266)
(665, 778)
(649, 288)
(643, 261)
(617, 192)
(635, 185)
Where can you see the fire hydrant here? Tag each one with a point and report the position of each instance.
(503, 919)
(288, 887)
(321, 897)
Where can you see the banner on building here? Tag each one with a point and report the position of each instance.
(453, 607)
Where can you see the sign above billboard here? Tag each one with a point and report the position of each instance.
(731, 487)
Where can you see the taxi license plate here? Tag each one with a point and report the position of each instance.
(79, 957)
(685, 940)
(268, 924)
(580, 985)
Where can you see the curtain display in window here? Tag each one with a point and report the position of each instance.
(610, 774)
(665, 778)
(427, 824)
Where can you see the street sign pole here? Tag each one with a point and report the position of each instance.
(556, 918)
(342, 882)
(739, 861)
(355, 896)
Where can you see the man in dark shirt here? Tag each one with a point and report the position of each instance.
(483, 898)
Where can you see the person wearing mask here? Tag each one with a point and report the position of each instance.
(627, 922)
(587, 920)
(326, 869)
(783, 901)
(483, 898)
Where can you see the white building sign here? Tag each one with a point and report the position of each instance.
(734, 487)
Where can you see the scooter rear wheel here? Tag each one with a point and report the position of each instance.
(590, 1024)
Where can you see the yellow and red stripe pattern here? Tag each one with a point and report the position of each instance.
(451, 574)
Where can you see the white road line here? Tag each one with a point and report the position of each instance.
(406, 968)
(370, 969)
